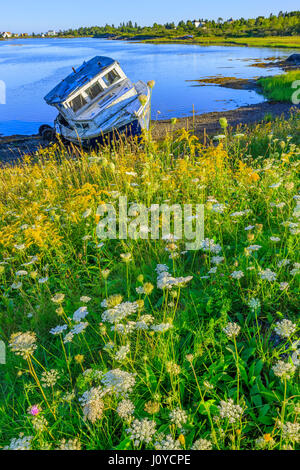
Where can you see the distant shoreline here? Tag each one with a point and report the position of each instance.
(280, 42)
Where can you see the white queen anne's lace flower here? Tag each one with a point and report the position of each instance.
(237, 274)
(20, 443)
(284, 370)
(79, 328)
(142, 431)
(166, 281)
(232, 330)
(219, 208)
(20, 247)
(39, 423)
(210, 246)
(92, 404)
(268, 275)
(162, 327)
(291, 432)
(213, 270)
(58, 298)
(284, 285)
(122, 352)
(230, 411)
(285, 328)
(202, 444)
(252, 248)
(283, 262)
(240, 213)
(254, 304)
(16, 285)
(70, 444)
(68, 338)
(22, 272)
(80, 314)
(124, 329)
(121, 311)
(144, 322)
(125, 409)
(217, 259)
(178, 417)
(118, 381)
(49, 378)
(167, 443)
(160, 268)
(295, 270)
(23, 344)
(58, 329)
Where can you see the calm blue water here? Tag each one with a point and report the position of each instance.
(32, 67)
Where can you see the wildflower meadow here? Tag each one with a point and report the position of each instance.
(129, 344)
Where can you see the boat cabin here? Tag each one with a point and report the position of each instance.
(98, 98)
(92, 82)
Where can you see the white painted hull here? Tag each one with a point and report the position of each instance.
(116, 118)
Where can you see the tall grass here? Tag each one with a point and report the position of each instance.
(279, 87)
(132, 362)
(291, 42)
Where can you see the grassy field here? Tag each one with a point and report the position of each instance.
(291, 42)
(280, 87)
(124, 344)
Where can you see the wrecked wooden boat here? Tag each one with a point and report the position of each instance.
(97, 102)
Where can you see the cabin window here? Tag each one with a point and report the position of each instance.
(94, 90)
(77, 103)
(111, 77)
(84, 125)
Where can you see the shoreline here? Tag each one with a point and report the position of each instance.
(251, 41)
(206, 125)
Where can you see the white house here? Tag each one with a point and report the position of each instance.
(6, 35)
(199, 24)
(51, 32)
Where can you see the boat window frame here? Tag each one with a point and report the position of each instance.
(97, 82)
(98, 79)
(74, 98)
(107, 73)
(82, 125)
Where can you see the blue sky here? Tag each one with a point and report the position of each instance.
(38, 15)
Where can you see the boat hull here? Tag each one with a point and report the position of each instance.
(133, 128)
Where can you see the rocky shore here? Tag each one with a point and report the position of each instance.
(13, 148)
(208, 123)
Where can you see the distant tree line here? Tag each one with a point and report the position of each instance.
(283, 24)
